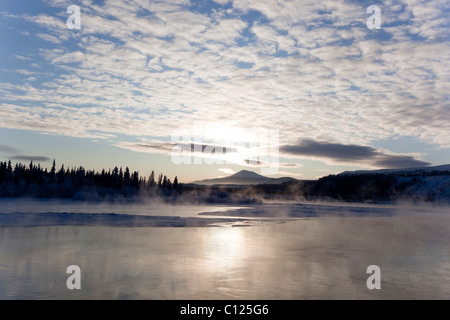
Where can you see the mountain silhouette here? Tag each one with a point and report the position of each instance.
(243, 177)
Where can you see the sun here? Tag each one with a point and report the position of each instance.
(239, 145)
(220, 132)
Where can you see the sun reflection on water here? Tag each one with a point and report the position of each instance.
(226, 249)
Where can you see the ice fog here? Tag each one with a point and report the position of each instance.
(281, 254)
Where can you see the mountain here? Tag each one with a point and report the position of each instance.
(425, 184)
(244, 177)
(419, 170)
(418, 184)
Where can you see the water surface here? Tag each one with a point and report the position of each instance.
(305, 258)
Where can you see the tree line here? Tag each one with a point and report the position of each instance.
(34, 181)
(361, 187)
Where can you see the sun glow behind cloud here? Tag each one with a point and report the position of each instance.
(227, 171)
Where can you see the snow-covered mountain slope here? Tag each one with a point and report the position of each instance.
(441, 168)
(428, 184)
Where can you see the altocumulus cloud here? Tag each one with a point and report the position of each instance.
(146, 68)
(351, 154)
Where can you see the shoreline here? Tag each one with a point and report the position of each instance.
(47, 219)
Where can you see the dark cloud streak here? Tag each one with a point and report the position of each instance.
(189, 147)
(351, 153)
(8, 149)
(30, 158)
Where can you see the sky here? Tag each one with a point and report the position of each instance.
(203, 89)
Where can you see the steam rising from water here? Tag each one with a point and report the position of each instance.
(318, 258)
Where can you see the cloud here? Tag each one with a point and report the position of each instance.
(12, 153)
(288, 165)
(18, 56)
(7, 149)
(310, 69)
(24, 72)
(202, 148)
(290, 174)
(186, 152)
(351, 154)
(227, 171)
(48, 37)
(171, 147)
(254, 162)
(30, 158)
(149, 147)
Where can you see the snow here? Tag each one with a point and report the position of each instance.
(442, 168)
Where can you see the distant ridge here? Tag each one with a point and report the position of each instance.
(428, 184)
(243, 177)
(440, 168)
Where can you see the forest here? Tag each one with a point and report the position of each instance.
(431, 186)
(78, 183)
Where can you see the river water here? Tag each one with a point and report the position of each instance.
(314, 257)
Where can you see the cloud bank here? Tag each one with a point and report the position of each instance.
(351, 154)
